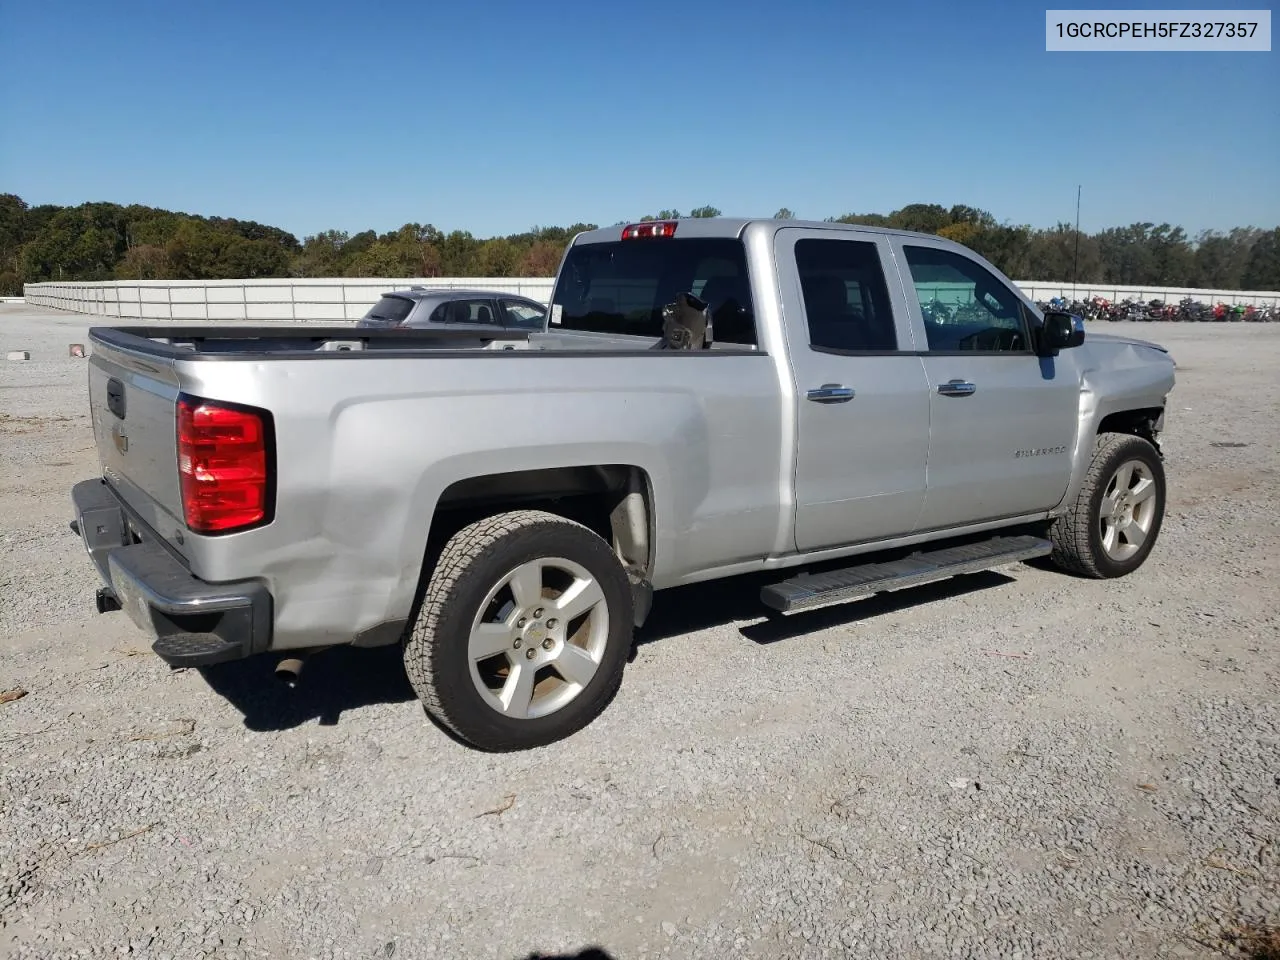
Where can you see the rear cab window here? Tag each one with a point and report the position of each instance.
(391, 308)
(846, 300)
(620, 287)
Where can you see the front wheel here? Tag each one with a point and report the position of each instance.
(523, 632)
(1111, 527)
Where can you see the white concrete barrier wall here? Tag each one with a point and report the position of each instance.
(309, 300)
(342, 299)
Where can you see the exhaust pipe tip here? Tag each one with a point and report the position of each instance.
(288, 670)
(107, 600)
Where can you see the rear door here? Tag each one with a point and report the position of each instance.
(863, 417)
(1003, 421)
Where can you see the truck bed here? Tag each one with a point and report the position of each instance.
(362, 454)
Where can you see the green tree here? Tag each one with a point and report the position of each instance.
(1263, 271)
(457, 254)
(496, 258)
(704, 213)
(195, 249)
(13, 213)
(1126, 256)
(321, 254)
(1051, 255)
(379, 259)
(1221, 259)
(145, 261)
(359, 243)
(865, 219)
(784, 214)
(1006, 247)
(1173, 260)
(961, 213)
(924, 217)
(542, 259)
(248, 259)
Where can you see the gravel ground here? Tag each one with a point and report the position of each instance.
(1016, 764)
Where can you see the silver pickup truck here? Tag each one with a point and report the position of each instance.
(857, 409)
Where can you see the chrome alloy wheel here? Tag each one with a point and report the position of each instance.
(538, 638)
(1128, 510)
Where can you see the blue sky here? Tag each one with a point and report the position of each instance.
(494, 117)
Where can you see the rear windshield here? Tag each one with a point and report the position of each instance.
(390, 308)
(621, 287)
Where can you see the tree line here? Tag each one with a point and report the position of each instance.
(106, 241)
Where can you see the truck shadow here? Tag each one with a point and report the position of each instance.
(700, 606)
(345, 678)
(334, 681)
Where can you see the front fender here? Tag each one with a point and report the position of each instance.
(1118, 375)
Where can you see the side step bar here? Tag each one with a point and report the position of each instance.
(807, 591)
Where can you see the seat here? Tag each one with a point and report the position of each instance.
(484, 314)
(836, 323)
(727, 299)
(826, 303)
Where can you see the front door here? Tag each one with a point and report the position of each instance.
(1002, 420)
(862, 397)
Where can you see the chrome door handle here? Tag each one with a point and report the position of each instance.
(830, 393)
(957, 388)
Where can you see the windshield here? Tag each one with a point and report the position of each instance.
(621, 287)
(394, 309)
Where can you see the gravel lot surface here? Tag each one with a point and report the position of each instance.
(1016, 764)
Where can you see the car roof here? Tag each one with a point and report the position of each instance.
(734, 226)
(455, 293)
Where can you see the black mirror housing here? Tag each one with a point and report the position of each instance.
(1060, 331)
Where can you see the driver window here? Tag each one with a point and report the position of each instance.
(964, 307)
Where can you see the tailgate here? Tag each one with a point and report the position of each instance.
(132, 402)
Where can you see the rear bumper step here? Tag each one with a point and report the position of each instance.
(193, 623)
(808, 591)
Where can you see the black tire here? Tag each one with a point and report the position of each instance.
(472, 564)
(1077, 535)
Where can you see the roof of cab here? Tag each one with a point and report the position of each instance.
(734, 226)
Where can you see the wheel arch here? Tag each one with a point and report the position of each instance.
(1143, 420)
(616, 501)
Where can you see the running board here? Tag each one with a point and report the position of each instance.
(807, 591)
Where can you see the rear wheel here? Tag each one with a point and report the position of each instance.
(523, 632)
(1111, 527)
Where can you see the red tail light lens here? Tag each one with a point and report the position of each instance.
(651, 228)
(223, 465)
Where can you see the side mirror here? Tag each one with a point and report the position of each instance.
(1060, 332)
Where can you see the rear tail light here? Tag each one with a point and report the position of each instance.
(651, 228)
(224, 465)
